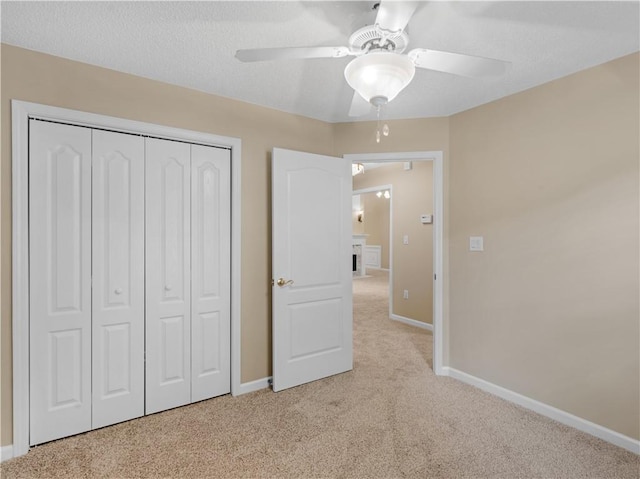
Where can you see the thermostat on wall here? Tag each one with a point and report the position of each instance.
(426, 219)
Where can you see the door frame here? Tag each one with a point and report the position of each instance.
(21, 112)
(438, 236)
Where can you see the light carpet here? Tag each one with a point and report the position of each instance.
(389, 417)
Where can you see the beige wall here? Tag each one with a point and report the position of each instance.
(412, 196)
(376, 224)
(549, 177)
(40, 78)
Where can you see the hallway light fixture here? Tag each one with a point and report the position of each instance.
(356, 169)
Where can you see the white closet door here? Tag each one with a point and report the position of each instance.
(210, 272)
(60, 280)
(168, 296)
(118, 277)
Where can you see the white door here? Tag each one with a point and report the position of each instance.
(60, 280)
(312, 305)
(210, 272)
(168, 280)
(118, 277)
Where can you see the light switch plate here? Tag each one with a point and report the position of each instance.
(405, 239)
(476, 243)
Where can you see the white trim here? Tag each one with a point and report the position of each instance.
(21, 112)
(372, 189)
(20, 275)
(411, 322)
(253, 386)
(6, 453)
(556, 414)
(439, 339)
(438, 238)
(236, 266)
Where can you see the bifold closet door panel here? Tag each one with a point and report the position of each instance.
(118, 277)
(168, 294)
(210, 272)
(60, 280)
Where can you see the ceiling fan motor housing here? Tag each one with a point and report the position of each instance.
(369, 39)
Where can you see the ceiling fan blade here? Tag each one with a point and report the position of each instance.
(393, 16)
(359, 106)
(264, 54)
(457, 63)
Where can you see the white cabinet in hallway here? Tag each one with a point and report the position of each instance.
(129, 276)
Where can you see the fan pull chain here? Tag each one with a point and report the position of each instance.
(385, 127)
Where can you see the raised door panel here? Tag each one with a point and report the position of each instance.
(210, 272)
(118, 277)
(60, 280)
(168, 283)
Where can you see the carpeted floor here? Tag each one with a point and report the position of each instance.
(389, 417)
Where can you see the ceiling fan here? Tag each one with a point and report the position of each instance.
(380, 70)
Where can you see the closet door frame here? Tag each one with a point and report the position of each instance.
(21, 112)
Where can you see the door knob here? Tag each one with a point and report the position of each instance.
(167, 287)
(118, 291)
(283, 282)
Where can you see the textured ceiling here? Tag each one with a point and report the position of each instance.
(192, 44)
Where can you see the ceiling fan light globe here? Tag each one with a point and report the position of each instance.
(379, 74)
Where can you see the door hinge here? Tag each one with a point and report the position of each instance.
(434, 277)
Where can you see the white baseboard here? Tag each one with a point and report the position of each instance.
(563, 417)
(256, 385)
(6, 453)
(412, 322)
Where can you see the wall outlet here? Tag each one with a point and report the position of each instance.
(405, 295)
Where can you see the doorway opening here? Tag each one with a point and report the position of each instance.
(431, 220)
